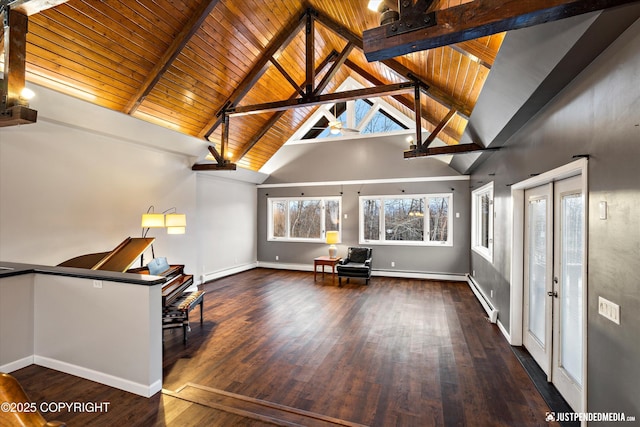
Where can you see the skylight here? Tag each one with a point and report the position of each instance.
(352, 119)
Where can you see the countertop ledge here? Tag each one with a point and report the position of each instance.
(8, 269)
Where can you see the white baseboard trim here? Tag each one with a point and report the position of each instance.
(492, 312)
(377, 273)
(227, 272)
(100, 377)
(286, 266)
(17, 364)
(420, 275)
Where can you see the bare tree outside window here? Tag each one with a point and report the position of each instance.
(404, 219)
(485, 208)
(371, 216)
(382, 122)
(332, 215)
(413, 220)
(305, 220)
(279, 214)
(438, 219)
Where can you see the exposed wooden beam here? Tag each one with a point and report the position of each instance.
(214, 167)
(15, 54)
(472, 20)
(215, 154)
(179, 42)
(277, 44)
(221, 162)
(443, 124)
(402, 99)
(432, 90)
(447, 149)
(417, 110)
(310, 37)
(30, 7)
(287, 76)
(13, 109)
(278, 115)
(342, 57)
(348, 95)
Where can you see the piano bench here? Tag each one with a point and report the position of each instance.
(177, 314)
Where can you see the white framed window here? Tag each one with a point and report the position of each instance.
(303, 219)
(482, 221)
(410, 220)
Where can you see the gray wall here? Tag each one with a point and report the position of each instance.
(597, 115)
(368, 159)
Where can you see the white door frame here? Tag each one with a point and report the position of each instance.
(577, 167)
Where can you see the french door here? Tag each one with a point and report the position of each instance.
(554, 291)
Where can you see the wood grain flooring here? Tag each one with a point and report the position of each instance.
(399, 352)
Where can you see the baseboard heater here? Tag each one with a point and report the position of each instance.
(486, 303)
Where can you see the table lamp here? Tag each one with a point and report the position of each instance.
(332, 239)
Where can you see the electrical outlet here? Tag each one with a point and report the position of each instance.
(609, 309)
(97, 284)
(393, 263)
(277, 257)
(491, 293)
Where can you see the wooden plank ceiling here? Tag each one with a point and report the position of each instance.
(179, 63)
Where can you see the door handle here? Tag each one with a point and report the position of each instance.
(552, 294)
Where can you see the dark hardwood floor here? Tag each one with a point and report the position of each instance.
(399, 352)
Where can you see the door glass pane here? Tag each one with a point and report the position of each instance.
(537, 268)
(572, 251)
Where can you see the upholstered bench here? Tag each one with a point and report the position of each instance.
(177, 314)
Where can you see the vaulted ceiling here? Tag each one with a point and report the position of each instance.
(188, 64)
(179, 63)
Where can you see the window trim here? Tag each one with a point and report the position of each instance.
(476, 218)
(323, 230)
(425, 242)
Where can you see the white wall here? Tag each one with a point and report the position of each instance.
(78, 180)
(16, 322)
(228, 225)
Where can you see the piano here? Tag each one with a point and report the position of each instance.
(177, 301)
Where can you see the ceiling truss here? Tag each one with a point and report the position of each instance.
(308, 93)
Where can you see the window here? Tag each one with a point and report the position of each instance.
(382, 121)
(482, 221)
(410, 220)
(303, 219)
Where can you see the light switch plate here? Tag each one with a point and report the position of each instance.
(603, 210)
(609, 309)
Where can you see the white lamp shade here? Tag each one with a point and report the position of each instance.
(176, 230)
(175, 220)
(152, 220)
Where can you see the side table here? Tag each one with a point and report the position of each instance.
(322, 261)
